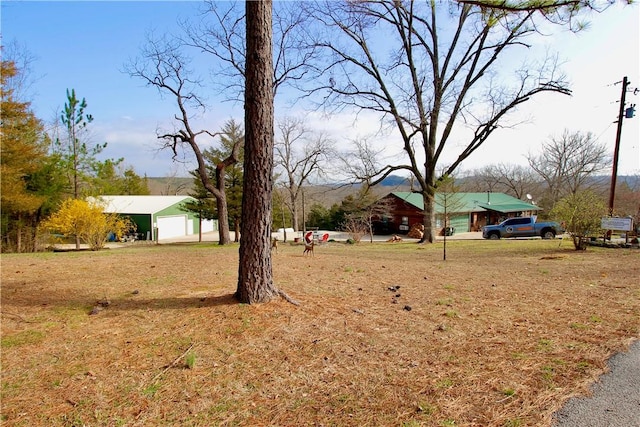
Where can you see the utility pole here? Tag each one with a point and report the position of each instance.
(304, 217)
(614, 172)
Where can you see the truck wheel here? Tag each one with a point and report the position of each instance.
(548, 234)
(494, 236)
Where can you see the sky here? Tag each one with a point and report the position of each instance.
(85, 46)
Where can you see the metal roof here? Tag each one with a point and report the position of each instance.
(140, 204)
(510, 207)
(471, 202)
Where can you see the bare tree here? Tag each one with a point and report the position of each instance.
(484, 179)
(567, 162)
(222, 34)
(362, 162)
(432, 80)
(628, 199)
(299, 154)
(172, 185)
(163, 66)
(518, 180)
(515, 180)
(21, 84)
(355, 225)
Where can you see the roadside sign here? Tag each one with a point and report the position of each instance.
(622, 224)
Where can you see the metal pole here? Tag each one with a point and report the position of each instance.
(284, 226)
(304, 216)
(614, 172)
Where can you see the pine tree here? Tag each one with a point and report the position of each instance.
(255, 276)
(77, 158)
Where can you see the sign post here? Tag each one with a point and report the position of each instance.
(618, 224)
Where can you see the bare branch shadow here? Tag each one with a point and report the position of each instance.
(15, 295)
(171, 303)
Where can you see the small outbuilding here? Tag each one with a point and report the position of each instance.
(158, 217)
(464, 211)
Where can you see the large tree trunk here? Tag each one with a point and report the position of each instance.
(221, 206)
(223, 220)
(19, 234)
(296, 223)
(236, 229)
(294, 214)
(255, 279)
(429, 217)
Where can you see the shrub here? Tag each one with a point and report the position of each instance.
(581, 214)
(88, 222)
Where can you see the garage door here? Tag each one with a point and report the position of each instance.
(460, 223)
(172, 226)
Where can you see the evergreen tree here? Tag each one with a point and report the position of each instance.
(320, 217)
(23, 157)
(232, 135)
(229, 177)
(76, 157)
(204, 206)
(134, 184)
(111, 178)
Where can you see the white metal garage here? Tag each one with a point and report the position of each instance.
(164, 215)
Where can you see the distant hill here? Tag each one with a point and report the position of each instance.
(170, 186)
(325, 195)
(329, 194)
(395, 181)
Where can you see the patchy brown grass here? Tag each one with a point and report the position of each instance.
(501, 334)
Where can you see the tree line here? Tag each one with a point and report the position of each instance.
(567, 164)
(43, 166)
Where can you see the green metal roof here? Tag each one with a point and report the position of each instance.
(470, 202)
(510, 207)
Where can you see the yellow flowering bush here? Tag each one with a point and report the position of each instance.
(88, 222)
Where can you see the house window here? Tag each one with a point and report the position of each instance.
(404, 226)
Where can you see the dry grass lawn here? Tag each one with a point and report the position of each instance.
(501, 334)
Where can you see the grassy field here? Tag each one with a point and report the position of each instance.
(501, 334)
